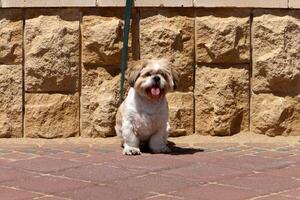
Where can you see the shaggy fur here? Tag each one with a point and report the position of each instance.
(143, 116)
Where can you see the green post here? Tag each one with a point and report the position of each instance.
(125, 44)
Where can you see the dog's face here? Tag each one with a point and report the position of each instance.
(152, 78)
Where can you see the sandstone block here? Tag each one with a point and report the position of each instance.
(11, 101)
(102, 37)
(52, 50)
(276, 47)
(275, 115)
(169, 33)
(100, 100)
(11, 31)
(181, 113)
(221, 100)
(222, 36)
(51, 115)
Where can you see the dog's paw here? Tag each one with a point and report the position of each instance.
(131, 151)
(164, 149)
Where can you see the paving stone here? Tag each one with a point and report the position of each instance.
(267, 145)
(164, 197)
(287, 149)
(215, 192)
(216, 145)
(96, 169)
(151, 162)
(97, 158)
(44, 164)
(210, 157)
(293, 193)
(4, 151)
(15, 194)
(67, 155)
(99, 192)
(17, 156)
(50, 198)
(47, 184)
(252, 163)
(273, 154)
(98, 173)
(263, 183)
(3, 161)
(8, 174)
(292, 159)
(154, 183)
(292, 172)
(274, 197)
(205, 172)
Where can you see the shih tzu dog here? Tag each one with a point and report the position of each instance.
(143, 116)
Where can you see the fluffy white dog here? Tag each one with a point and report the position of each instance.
(143, 116)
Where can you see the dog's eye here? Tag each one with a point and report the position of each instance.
(148, 74)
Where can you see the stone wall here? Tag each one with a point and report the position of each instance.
(60, 69)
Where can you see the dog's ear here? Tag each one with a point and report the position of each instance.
(175, 76)
(134, 71)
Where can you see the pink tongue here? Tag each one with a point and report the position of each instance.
(155, 91)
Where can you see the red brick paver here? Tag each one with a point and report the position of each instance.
(92, 169)
(15, 194)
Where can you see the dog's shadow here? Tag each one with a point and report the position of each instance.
(175, 150)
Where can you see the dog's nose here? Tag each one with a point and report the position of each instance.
(156, 78)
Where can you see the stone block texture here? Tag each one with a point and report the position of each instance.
(102, 40)
(51, 115)
(11, 101)
(52, 50)
(276, 72)
(221, 100)
(276, 47)
(181, 113)
(100, 100)
(169, 33)
(239, 68)
(102, 37)
(274, 115)
(222, 35)
(11, 31)
(102, 43)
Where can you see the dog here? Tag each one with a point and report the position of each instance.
(143, 115)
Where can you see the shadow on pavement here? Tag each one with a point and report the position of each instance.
(184, 150)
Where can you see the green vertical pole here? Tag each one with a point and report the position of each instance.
(125, 44)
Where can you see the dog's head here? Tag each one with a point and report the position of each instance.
(152, 78)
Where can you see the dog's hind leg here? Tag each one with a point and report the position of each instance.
(158, 142)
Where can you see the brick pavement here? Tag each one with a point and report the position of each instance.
(199, 168)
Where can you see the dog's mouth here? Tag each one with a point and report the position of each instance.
(154, 92)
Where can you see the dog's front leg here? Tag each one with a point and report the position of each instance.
(131, 141)
(158, 142)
